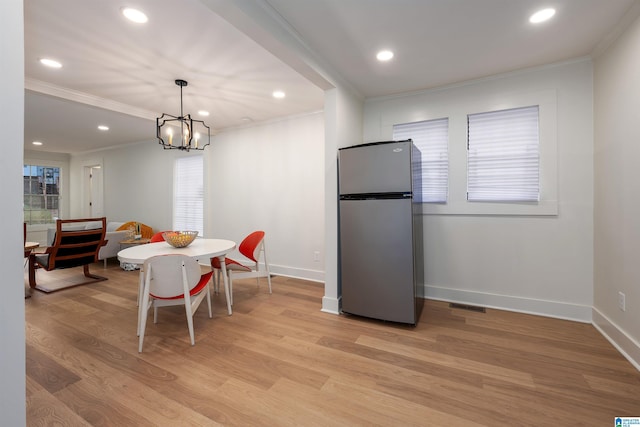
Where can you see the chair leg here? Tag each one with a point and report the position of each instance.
(189, 313)
(266, 265)
(226, 278)
(32, 271)
(269, 280)
(209, 302)
(92, 276)
(144, 312)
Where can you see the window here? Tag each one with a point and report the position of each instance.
(41, 194)
(503, 156)
(432, 139)
(188, 194)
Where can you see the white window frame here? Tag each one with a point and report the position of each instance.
(406, 110)
(503, 155)
(188, 194)
(62, 207)
(431, 137)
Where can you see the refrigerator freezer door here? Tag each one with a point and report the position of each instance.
(376, 254)
(375, 168)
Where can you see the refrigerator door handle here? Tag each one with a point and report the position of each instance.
(377, 196)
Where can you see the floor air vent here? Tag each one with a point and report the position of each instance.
(468, 307)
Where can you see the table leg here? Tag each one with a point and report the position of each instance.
(226, 283)
(139, 302)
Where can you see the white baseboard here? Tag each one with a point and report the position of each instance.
(298, 273)
(331, 305)
(625, 344)
(555, 309)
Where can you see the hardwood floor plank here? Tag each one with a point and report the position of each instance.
(47, 372)
(428, 368)
(43, 409)
(99, 408)
(156, 407)
(391, 410)
(269, 408)
(498, 372)
(278, 360)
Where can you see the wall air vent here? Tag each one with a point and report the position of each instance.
(468, 307)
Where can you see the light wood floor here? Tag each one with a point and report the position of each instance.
(280, 361)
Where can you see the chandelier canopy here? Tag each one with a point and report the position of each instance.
(182, 132)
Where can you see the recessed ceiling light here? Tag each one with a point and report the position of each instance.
(384, 55)
(134, 15)
(542, 15)
(37, 143)
(203, 113)
(103, 127)
(50, 62)
(278, 94)
(246, 119)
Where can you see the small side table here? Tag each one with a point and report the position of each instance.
(131, 242)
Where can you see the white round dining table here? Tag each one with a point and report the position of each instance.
(201, 249)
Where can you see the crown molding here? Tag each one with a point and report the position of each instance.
(86, 98)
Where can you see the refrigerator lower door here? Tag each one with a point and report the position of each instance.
(376, 259)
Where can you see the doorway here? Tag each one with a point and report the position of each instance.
(93, 198)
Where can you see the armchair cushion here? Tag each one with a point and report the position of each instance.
(112, 247)
(145, 230)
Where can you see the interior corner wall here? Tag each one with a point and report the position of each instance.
(270, 177)
(343, 127)
(617, 186)
(12, 303)
(533, 264)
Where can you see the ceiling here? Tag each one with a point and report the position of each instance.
(122, 74)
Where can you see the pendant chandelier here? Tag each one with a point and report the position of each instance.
(182, 132)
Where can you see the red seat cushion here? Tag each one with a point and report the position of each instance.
(231, 264)
(204, 279)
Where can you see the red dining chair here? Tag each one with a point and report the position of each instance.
(174, 279)
(157, 237)
(250, 247)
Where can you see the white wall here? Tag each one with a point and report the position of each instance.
(538, 264)
(617, 190)
(12, 333)
(270, 177)
(138, 183)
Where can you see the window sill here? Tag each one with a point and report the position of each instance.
(543, 208)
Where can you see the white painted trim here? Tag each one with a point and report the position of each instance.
(555, 309)
(331, 305)
(86, 98)
(298, 273)
(623, 342)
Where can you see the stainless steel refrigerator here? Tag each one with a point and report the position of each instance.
(380, 228)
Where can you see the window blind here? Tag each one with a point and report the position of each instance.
(503, 158)
(432, 139)
(188, 194)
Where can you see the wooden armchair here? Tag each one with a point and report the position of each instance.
(76, 243)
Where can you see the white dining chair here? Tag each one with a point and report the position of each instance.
(172, 280)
